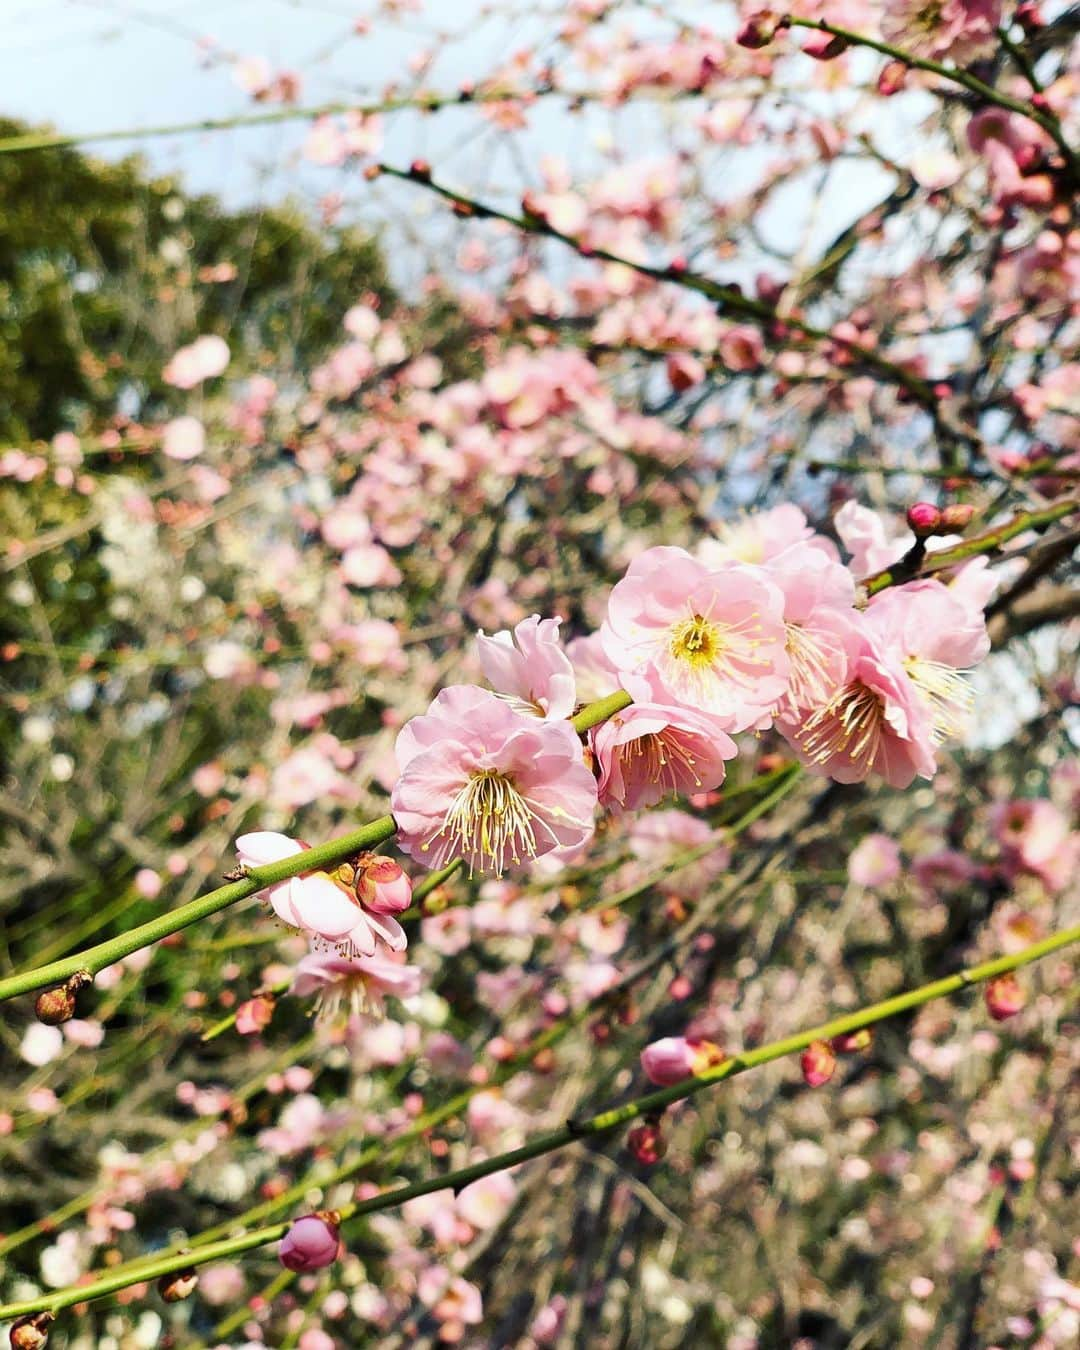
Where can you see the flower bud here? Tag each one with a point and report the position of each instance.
(851, 1042)
(674, 1058)
(178, 1286)
(818, 1063)
(646, 1142)
(1004, 996)
(1028, 17)
(892, 78)
(667, 1061)
(956, 517)
(58, 1005)
(255, 1014)
(758, 30)
(31, 1332)
(381, 885)
(310, 1244)
(924, 519)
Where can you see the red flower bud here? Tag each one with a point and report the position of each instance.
(646, 1142)
(58, 1005)
(381, 885)
(1004, 997)
(892, 78)
(255, 1014)
(818, 1062)
(924, 519)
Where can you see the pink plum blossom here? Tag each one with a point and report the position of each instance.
(486, 784)
(875, 861)
(1035, 836)
(319, 903)
(962, 30)
(201, 360)
(484, 1202)
(864, 534)
(713, 640)
(938, 638)
(183, 438)
(760, 536)
(530, 668)
(819, 598)
(358, 984)
(647, 751)
(875, 723)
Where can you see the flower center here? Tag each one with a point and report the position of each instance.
(696, 641)
(850, 724)
(946, 693)
(491, 822)
(659, 757)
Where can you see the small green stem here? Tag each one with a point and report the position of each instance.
(602, 1123)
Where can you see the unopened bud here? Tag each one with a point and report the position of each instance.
(255, 1014)
(544, 1060)
(892, 79)
(1028, 17)
(311, 1243)
(956, 517)
(818, 1063)
(852, 1042)
(758, 30)
(646, 1142)
(31, 1333)
(421, 169)
(381, 885)
(1004, 997)
(924, 519)
(58, 1005)
(178, 1286)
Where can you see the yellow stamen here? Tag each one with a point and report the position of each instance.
(491, 823)
(946, 693)
(849, 724)
(809, 684)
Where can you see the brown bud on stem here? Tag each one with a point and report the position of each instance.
(176, 1287)
(31, 1332)
(55, 1006)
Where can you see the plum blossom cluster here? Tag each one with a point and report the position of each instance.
(762, 627)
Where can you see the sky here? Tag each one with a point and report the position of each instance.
(94, 65)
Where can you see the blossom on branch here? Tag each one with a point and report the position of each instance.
(483, 783)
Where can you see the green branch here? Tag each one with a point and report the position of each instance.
(573, 1131)
(95, 959)
(978, 546)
